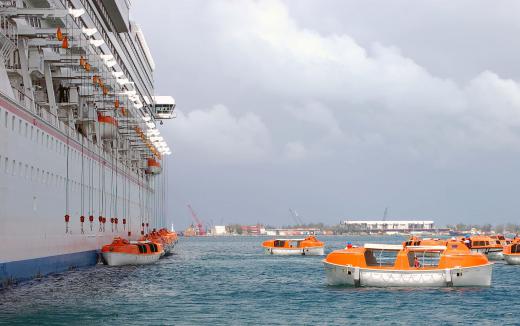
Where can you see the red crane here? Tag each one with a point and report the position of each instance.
(198, 222)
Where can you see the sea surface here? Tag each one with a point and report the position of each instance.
(229, 281)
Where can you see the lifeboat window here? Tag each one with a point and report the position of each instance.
(279, 243)
(487, 243)
(380, 257)
(426, 258)
(515, 249)
(497, 242)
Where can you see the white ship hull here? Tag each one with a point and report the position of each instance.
(512, 259)
(33, 170)
(456, 277)
(63, 66)
(309, 251)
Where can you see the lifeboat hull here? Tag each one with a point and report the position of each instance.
(491, 254)
(453, 277)
(512, 259)
(307, 251)
(120, 259)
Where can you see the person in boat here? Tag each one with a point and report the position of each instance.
(416, 262)
(467, 242)
(349, 245)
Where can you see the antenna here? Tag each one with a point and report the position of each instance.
(385, 214)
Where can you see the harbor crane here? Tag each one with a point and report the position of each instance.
(296, 217)
(198, 223)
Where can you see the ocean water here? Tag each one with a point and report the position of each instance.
(229, 281)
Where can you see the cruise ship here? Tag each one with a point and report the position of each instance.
(81, 155)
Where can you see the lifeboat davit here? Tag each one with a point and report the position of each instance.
(512, 252)
(383, 265)
(308, 246)
(153, 167)
(123, 252)
(107, 126)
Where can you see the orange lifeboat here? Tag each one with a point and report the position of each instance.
(166, 238)
(383, 265)
(307, 246)
(487, 245)
(153, 167)
(107, 126)
(512, 252)
(415, 241)
(123, 252)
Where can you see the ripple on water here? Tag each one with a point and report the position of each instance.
(231, 281)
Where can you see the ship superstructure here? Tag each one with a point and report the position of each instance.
(80, 151)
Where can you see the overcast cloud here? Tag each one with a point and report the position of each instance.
(339, 108)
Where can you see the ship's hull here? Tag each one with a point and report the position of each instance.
(33, 197)
(456, 277)
(307, 251)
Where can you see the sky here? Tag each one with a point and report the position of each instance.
(339, 109)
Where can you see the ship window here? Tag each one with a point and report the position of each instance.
(20, 169)
(380, 257)
(12, 123)
(26, 130)
(13, 168)
(20, 126)
(6, 166)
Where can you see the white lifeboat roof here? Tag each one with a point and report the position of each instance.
(382, 246)
(289, 239)
(420, 248)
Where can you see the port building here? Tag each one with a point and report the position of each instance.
(384, 226)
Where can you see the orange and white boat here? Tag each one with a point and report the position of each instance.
(166, 238)
(484, 244)
(503, 240)
(123, 252)
(512, 252)
(308, 246)
(383, 265)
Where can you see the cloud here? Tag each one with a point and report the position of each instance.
(368, 120)
(294, 151)
(217, 136)
(361, 93)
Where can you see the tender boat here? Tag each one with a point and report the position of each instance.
(512, 252)
(166, 238)
(308, 246)
(383, 265)
(503, 240)
(492, 248)
(123, 252)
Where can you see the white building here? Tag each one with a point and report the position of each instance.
(219, 230)
(361, 226)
